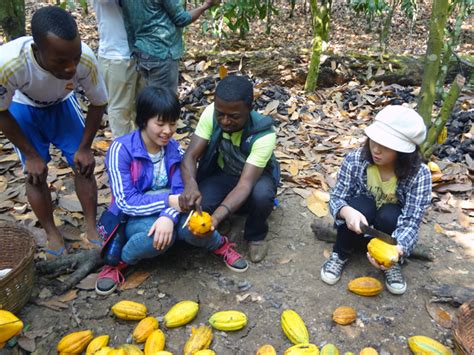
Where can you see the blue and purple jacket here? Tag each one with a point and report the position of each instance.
(131, 175)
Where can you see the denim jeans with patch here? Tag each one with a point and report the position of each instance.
(140, 246)
(158, 72)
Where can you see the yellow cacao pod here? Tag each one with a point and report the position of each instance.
(365, 286)
(200, 223)
(104, 351)
(131, 349)
(144, 329)
(118, 352)
(368, 351)
(384, 253)
(181, 313)
(348, 353)
(129, 310)
(434, 168)
(329, 349)
(228, 320)
(96, 344)
(75, 342)
(155, 342)
(266, 349)
(344, 315)
(200, 339)
(163, 352)
(205, 352)
(294, 327)
(423, 345)
(10, 326)
(302, 349)
(443, 135)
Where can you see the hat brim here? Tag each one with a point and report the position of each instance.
(389, 138)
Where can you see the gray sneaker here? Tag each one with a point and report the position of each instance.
(332, 269)
(394, 280)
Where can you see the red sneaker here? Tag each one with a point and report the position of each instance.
(109, 278)
(231, 257)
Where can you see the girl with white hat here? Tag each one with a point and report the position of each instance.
(383, 184)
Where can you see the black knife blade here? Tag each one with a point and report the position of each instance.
(377, 234)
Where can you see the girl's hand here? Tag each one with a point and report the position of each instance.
(353, 218)
(173, 201)
(381, 267)
(162, 232)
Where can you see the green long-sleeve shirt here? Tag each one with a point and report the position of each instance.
(155, 27)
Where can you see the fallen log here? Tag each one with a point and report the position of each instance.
(83, 263)
(327, 233)
(335, 69)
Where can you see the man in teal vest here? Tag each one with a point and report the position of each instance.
(229, 165)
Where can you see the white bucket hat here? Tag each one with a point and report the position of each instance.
(397, 127)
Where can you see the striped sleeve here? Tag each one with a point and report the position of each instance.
(90, 78)
(418, 198)
(128, 198)
(171, 213)
(344, 185)
(7, 84)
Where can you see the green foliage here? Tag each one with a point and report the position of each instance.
(237, 15)
(71, 4)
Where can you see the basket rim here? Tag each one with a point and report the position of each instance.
(27, 258)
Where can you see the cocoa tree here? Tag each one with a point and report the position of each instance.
(320, 20)
(12, 18)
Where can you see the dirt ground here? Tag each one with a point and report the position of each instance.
(287, 278)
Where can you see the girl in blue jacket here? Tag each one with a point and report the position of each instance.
(145, 180)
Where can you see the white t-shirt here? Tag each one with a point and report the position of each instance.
(23, 80)
(113, 43)
(160, 177)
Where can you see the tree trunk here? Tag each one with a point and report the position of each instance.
(439, 15)
(429, 144)
(12, 18)
(320, 20)
(451, 43)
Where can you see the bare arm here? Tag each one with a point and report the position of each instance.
(84, 159)
(237, 197)
(198, 11)
(35, 167)
(191, 195)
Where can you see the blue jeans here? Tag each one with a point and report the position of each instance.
(140, 246)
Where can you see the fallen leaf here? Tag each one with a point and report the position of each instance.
(88, 283)
(51, 304)
(222, 71)
(317, 203)
(439, 315)
(101, 145)
(69, 296)
(272, 106)
(27, 344)
(135, 280)
(438, 228)
(70, 203)
(294, 169)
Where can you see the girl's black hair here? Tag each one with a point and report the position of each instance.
(407, 164)
(157, 101)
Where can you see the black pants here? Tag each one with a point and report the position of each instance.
(258, 206)
(384, 219)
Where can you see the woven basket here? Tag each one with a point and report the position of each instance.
(463, 330)
(17, 248)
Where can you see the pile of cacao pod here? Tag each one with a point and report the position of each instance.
(147, 331)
